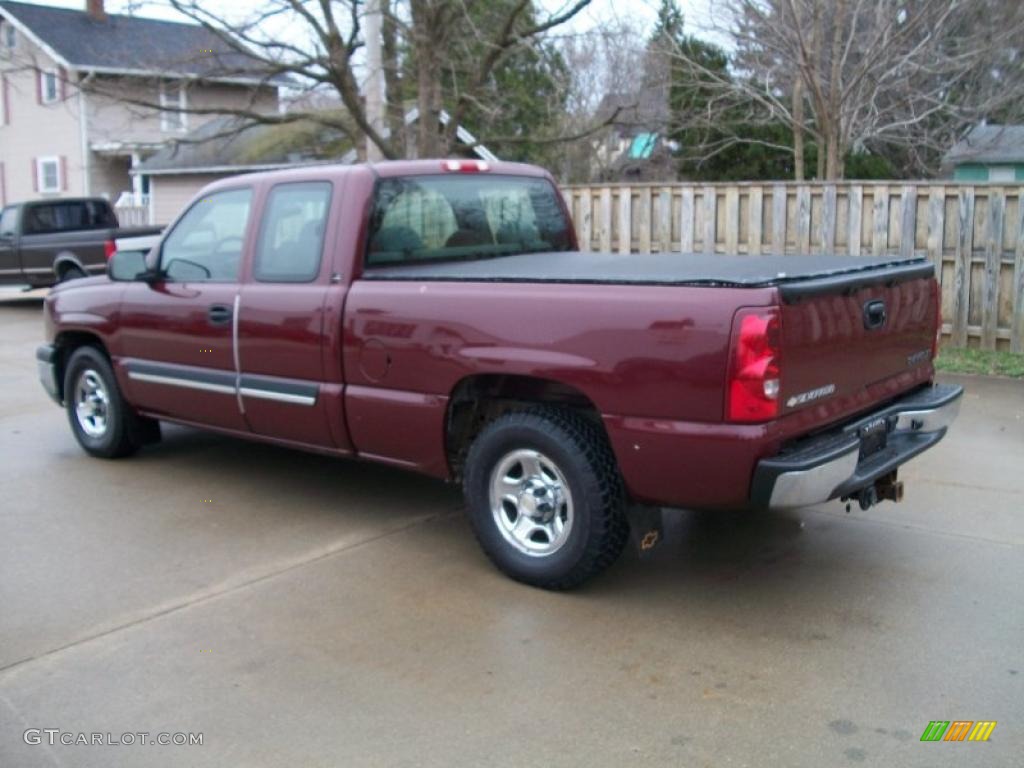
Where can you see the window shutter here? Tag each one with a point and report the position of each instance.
(62, 77)
(39, 86)
(35, 175)
(63, 173)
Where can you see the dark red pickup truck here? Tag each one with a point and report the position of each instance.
(437, 316)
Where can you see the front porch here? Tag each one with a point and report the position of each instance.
(111, 177)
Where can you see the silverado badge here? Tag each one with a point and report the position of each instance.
(813, 394)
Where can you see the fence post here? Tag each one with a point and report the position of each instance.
(625, 219)
(936, 230)
(908, 221)
(993, 258)
(756, 199)
(803, 219)
(779, 219)
(854, 220)
(732, 219)
(686, 214)
(665, 219)
(604, 232)
(880, 225)
(643, 220)
(710, 218)
(1017, 322)
(828, 219)
(586, 221)
(962, 268)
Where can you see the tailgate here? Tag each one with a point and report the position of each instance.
(837, 341)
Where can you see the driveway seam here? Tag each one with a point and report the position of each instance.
(211, 594)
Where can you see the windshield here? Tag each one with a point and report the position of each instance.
(443, 218)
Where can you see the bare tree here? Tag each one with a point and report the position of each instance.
(905, 75)
(316, 44)
(602, 62)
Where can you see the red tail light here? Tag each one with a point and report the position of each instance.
(752, 392)
(938, 320)
(109, 247)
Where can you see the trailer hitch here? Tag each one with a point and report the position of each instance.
(885, 488)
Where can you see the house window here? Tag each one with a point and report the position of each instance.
(48, 87)
(9, 36)
(1003, 173)
(173, 100)
(48, 174)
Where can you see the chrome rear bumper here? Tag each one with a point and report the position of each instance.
(854, 456)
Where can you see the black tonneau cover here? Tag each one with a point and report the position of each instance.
(796, 276)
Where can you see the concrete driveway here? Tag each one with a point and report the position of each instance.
(301, 611)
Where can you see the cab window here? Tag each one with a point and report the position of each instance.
(292, 233)
(478, 216)
(206, 244)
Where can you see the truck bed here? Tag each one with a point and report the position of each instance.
(795, 275)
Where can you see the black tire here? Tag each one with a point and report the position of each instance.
(581, 454)
(124, 431)
(71, 273)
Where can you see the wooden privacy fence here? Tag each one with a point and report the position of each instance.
(974, 234)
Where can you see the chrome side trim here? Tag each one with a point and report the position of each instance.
(281, 397)
(173, 381)
(815, 485)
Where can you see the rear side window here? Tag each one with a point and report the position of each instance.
(449, 217)
(57, 217)
(292, 233)
(99, 215)
(206, 243)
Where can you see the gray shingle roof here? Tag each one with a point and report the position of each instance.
(136, 44)
(231, 143)
(989, 144)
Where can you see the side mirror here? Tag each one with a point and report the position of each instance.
(126, 266)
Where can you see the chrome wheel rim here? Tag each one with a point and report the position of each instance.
(531, 503)
(92, 403)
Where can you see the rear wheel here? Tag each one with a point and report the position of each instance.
(545, 497)
(102, 422)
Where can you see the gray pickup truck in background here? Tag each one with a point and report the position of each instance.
(48, 241)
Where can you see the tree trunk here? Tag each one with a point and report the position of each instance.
(428, 100)
(798, 129)
(429, 41)
(393, 84)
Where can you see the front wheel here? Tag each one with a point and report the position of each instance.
(102, 422)
(545, 497)
(72, 273)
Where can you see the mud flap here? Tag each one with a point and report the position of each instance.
(647, 528)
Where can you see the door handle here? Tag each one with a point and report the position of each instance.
(220, 314)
